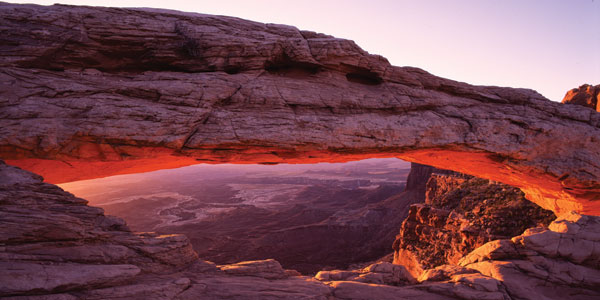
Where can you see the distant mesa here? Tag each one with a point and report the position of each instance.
(586, 95)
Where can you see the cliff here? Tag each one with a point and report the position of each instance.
(88, 92)
(460, 214)
(53, 246)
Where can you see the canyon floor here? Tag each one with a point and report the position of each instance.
(55, 246)
(307, 217)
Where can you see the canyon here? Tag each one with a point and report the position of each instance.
(54, 246)
(88, 92)
(307, 217)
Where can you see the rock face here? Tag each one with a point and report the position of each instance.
(129, 90)
(586, 95)
(387, 281)
(53, 246)
(378, 273)
(100, 91)
(386, 217)
(51, 241)
(419, 177)
(461, 213)
(560, 262)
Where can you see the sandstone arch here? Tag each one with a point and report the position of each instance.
(100, 91)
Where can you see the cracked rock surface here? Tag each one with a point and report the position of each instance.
(460, 214)
(560, 262)
(54, 246)
(87, 92)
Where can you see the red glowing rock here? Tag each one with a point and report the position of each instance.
(114, 85)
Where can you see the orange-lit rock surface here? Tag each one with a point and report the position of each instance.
(585, 95)
(82, 84)
(558, 262)
(90, 92)
(460, 214)
(54, 246)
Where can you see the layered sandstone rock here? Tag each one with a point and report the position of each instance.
(560, 262)
(383, 280)
(460, 214)
(54, 246)
(585, 95)
(101, 91)
(417, 181)
(378, 273)
(379, 222)
(89, 92)
(51, 241)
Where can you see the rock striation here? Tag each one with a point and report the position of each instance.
(102, 91)
(558, 262)
(460, 214)
(87, 92)
(377, 273)
(54, 246)
(585, 95)
(52, 241)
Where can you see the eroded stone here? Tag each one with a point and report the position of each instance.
(131, 90)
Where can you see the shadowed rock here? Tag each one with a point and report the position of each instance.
(54, 246)
(99, 91)
(90, 92)
(555, 263)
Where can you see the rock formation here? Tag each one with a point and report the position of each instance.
(585, 95)
(418, 179)
(89, 92)
(460, 214)
(53, 246)
(561, 262)
(558, 262)
(51, 241)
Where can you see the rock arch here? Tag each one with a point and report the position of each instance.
(101, 91)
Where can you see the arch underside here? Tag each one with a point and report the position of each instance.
(77, 102)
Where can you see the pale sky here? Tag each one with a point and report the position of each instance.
(547, 45)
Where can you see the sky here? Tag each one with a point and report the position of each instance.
(550, 46)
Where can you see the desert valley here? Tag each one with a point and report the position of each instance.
(304, 216)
